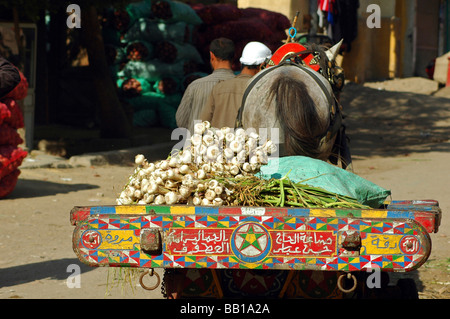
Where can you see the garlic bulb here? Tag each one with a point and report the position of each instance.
(197, 201)
(171, 198)
(210, 194)
(206, 202)
(199, 128)
(207, 125)
(208, 140)
(159, 200)
(196, 139)
(201, 174)
(139, 159)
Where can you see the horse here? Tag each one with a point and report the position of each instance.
(298, 99)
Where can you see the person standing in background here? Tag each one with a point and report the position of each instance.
(197, 93)
(225, 100)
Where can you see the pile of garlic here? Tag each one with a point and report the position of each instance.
(189, 175)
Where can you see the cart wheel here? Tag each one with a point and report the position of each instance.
(408, 288)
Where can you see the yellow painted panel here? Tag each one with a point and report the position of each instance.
(381, 244)
(182, 210)
(322, 213)
(118, 239)
(374, 213)
(132, 209)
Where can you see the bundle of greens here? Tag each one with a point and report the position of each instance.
(253, 191)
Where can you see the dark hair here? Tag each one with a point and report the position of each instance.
(296, 111)
(251, 67)
(222, 48)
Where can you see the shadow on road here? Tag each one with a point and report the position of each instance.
(53, 269)
(390, 123)
(29, 188)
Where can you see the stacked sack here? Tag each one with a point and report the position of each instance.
(241, 26)
(11, 119)
(149, 46)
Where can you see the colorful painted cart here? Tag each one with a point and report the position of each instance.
(259, 251)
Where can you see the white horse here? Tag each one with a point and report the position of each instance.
(298, 101)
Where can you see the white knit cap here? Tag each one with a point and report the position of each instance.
(255, 53)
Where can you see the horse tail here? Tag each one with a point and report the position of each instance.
(298, 117)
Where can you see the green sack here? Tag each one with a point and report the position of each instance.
(167, 110)
(129, 87)
(145, 118)
(152, 70)
(170, 52)
(137, 10)
(318, 173)
(146, 101)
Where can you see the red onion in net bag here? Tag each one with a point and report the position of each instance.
(8, 183)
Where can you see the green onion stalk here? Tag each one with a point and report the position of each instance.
(253, 191)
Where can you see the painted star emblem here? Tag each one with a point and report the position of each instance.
(251, 242)
(251, 239)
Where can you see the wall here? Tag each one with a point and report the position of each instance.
(406, 10)
(286, 7)
(427, 24)
(373, 54)
(387, 6)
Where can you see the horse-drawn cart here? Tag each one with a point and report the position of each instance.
(271, 252)
(269, 247)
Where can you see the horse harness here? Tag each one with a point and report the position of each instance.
(335, 107)
(314, 66)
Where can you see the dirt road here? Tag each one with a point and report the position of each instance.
(399, 141)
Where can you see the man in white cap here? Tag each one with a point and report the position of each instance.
(225, 100)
